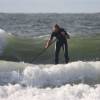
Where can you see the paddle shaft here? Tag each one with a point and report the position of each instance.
(43, 51)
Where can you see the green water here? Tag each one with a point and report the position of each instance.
(27, 49)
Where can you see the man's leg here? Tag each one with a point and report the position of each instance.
(66, 53)
(57, 50)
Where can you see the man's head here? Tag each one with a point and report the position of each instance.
(56, 28)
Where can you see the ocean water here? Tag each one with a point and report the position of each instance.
(27, 70)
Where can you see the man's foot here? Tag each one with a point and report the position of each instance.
(67, 60)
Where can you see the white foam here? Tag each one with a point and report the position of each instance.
(2, 31)
(57, 75)
(3, 36)
(67, 92)
(52, 75)
(54, 81)
(41, 36)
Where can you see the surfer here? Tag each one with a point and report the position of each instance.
(61, 41)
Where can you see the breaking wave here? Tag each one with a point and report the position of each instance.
(52, 75)
(74, 81)
(28, 49)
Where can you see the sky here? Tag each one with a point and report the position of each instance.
(50, 6)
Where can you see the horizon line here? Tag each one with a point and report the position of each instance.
(49, 12)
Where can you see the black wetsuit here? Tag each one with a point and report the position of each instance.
(61, 41)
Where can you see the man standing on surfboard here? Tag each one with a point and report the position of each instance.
(61, 41)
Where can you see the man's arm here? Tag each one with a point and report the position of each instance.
(49, 41)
